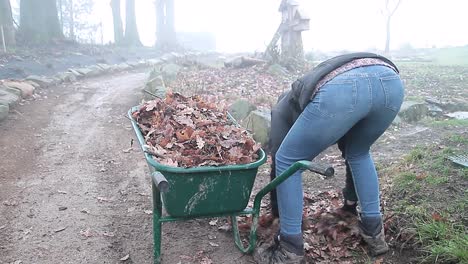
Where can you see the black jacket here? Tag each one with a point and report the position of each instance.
(303, 89)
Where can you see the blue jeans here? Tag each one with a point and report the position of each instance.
(359, 105)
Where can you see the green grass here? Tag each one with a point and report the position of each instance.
(429, 202)
(443, 241)
(407, 181)
(414, 98)
(436, 180)
(460, 139)
(449, 123)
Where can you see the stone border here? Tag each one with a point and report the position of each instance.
(13, 91)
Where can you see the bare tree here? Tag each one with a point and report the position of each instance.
(165, 28)
(6, 21)
(77, 20)
(39, 22)
(389, 11)
(131, 38)
(117, 18)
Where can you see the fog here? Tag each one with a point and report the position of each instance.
(248, 25)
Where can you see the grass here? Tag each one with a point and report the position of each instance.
(431, 199)
(443, 241)
(460, 139)
(449, 123)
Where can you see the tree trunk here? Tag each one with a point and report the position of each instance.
(118, 28)
(170, 20)
(6, 21)
(387, 41)
(160, 21)
(389, 14)
(60, 10)
(39, 22)
(131, 30)
(165, 28)
(72, 22)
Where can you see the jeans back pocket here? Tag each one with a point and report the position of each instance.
(393, 90)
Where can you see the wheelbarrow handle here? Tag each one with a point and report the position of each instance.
(160, 181)
(325, 170)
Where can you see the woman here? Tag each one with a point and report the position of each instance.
(353, 99)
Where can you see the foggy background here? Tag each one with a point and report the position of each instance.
(248, 25)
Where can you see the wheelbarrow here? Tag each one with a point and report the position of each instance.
(206, 192)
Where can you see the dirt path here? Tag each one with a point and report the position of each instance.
(69, 193)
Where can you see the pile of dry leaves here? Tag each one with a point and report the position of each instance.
(190, 132)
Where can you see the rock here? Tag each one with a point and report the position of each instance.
(4, 110)
(133, 64)
(412, 111)
(177, 55)
(277, 70)
(156, 71)
(434, 110)
(104, 67)
(33, 84)
(155, 86)
(66, 76)
(26, 89)
(396, 121)
(142, 63)
(12, 90)
(90, 71)
(170, 71)
(258, 122)
(452, 105)
(242, 62)
(458, 115)
(95, 70)
(8, 98)
(42, 81)
(154, 61)
(168, 57)
(75, 72)
(241, 108)
(123, 66)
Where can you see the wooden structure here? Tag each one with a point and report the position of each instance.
(294, 20)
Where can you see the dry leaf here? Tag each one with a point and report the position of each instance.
(86, 233)
(187, 132)
(213, 244)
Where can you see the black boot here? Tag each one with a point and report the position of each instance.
(350, 207)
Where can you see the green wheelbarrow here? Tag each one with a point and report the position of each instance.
(189, 193)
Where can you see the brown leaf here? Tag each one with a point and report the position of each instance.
(187, 131)
(437, 217)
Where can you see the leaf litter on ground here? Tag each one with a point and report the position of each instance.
(189, 132)
(330, 234)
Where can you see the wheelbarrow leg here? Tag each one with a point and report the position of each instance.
(157, 212)
(253, 233)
